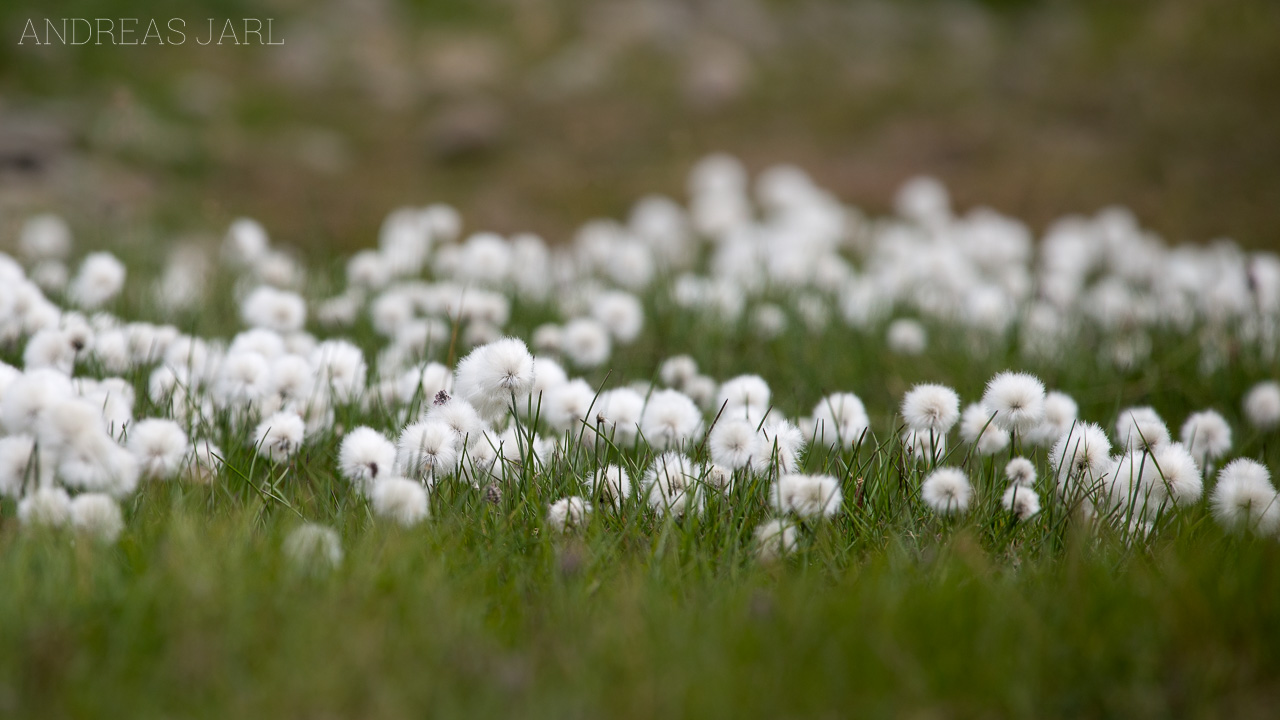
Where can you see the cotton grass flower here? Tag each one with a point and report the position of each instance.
(568, 514)
(775, 539)
(840, 419)
(1262, 405)
(160, 446)
(1080, 458)
(312, 547)
(492, 375)
(672, 485)
(1020, 471)
(586, 343)
(427, 450)
(947, 491)
(279, 436)
(1244, 498)
(735, 444)
(906, 336)
(978, 427)
(670, 418)
(1016, 400)
(1141, 427)
(1060, 413)
(1206, 435)
(744, 392)
(279, 310)
(931, 409)
(100, 278)
(1021, 500)
(400, 500)
(45, 507)
(807, 496)
(96, 516)
(612, 484)
(365, 456)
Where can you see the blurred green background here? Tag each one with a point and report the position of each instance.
(540, 114)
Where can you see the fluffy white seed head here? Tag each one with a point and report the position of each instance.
(1060, 413)
(735, 444)
(775, 539)
(1244, 497)
(1017, 401)
(160, 447)
(1140, 427)
(97, 516)
(1206, 435)
(947, 491)
(45, 507)
(671, 484)
(279, 436)
(978, 427)
(314, 548)
(931, 409)
(365, 456)
(670, 418)
(427, 450)
(745, 392)
(807, 496)
(1021, 500)
(1262, 405)
(400, 500)
(612, 484)
(568, 514)
(1080, 458)
(101, 278)
(840, 419)
(586, 343)
(490, 376)
(1020, 471)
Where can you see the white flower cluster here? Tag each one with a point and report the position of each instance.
(790, 254)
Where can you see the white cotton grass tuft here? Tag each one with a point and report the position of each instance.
(399, 499)
(312, 547)
(45, 507)
(931, 409)
(1207, 436)
(427, 450)
(1080, 458)
(947, 491)
(1020, 471)
(160, 447)
(735, 444)
(1262, 405)
(807, 496)
(279, 436)
(97, 516)
(840, 419)
(1021, 500)
(568, 514)
(1244, 498)
(585, 343)
(612, 484)
(1016, 401)
(775, 539)
(677, 371)
(100, 278)
(1060, 413)
(670, 419)
(672, 487)
(1141, 427)
(492, 375)
(978, 428)
(23, 464)
(743, 393)
(365, 456)
(906, 336)
(273, 309)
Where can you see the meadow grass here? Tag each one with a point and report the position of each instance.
(483, 610)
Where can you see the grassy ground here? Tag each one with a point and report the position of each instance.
(886, 610)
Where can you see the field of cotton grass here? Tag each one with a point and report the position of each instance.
(749, 452)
